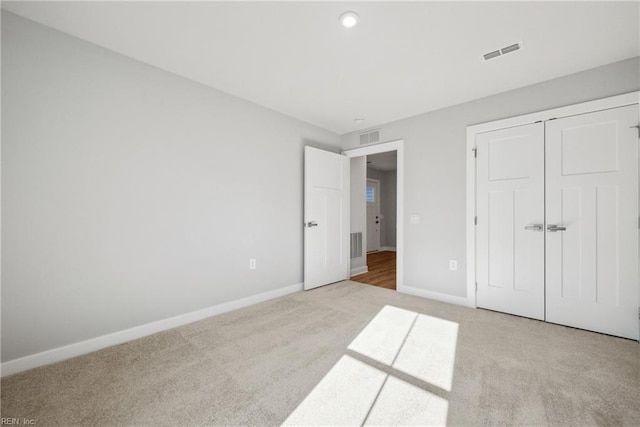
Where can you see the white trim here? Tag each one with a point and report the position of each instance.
(437, 296)
(359, 270)
(569, 110)
(387, 248)
(470, 217)
(397, 145)
(93, 344)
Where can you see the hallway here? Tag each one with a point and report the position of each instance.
(382, 270)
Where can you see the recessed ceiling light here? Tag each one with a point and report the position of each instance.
(358, 120)
(349, 19)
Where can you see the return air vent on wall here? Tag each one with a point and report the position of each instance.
(496, 53)
(370, 137)
(356, 245)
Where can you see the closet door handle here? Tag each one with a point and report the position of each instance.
(534, 227)
(553, 228)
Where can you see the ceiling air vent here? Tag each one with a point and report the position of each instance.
(491, 55)
(370, 137)
(503, 51)
(510, 49)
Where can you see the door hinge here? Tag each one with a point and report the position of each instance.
(475, 153)
(476, 286)
(475, 220)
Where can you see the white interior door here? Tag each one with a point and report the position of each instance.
(510, 222)
(592, 197)
(373, 215)
(326, 217)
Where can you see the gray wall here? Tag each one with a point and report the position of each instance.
(435, 145)
(389, 192)
(359, 207)
(375, 174)
(388, 205)
(131, 195)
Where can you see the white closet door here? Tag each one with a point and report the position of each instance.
(592, 195)
(510, 208)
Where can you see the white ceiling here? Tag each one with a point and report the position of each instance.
(403, 59)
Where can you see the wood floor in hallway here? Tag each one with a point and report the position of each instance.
(382, 270)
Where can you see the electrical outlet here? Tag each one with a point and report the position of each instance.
(453, 264)
(252, 264)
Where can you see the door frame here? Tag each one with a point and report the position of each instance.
(398, 146)
(377, 181)
(623, 100)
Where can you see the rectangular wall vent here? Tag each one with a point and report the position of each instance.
(510, 49)
(370, 137)
(491, 55)
(356, 245)
(500, 52)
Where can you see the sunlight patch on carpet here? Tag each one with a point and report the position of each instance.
(409, 344)
(343, 397)
(382, 338)
(401, 403)
(429, 353)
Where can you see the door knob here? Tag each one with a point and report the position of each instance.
(534, 227)
(311, 224)
(553, 228)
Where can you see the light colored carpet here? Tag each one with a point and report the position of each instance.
(256, 365)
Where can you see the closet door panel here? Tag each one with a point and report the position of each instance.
(592, 200)
(510, 203)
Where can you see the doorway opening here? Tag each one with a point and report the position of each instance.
(376, 217)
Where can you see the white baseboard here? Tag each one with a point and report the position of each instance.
(91, 345)
(388, 248)
(359, 270)
(437, 296)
